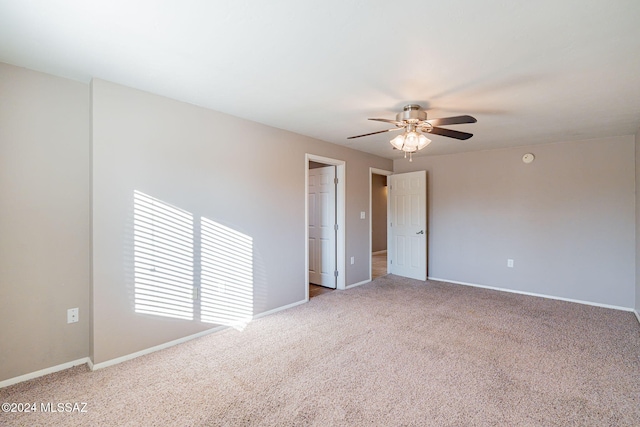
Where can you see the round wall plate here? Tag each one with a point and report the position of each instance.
(528, 158)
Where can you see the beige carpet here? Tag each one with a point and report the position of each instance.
(393, 352)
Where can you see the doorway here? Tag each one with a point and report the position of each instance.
(334, 250)
(322, 225)
(378, 222)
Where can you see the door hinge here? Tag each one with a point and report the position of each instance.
(391, 261)
(335, 227)
(196, 293)
(335, 181)
(335, 273)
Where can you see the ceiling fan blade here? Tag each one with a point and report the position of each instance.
(395, 122)
(450, 133)
(373, 133)
(457, 120)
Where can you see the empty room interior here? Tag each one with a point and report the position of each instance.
(338, 213)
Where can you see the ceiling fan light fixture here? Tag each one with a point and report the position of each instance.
(423, 141)
(413, 122)
(410, 142)
(398, 141)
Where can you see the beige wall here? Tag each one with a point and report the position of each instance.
(244, 175)
(44, 220)
(567, 220)
(378, 213)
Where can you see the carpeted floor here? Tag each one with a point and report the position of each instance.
(392, 352)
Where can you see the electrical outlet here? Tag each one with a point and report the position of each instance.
(72, 315)
(362, 215)
(353, 260)
(510, 263)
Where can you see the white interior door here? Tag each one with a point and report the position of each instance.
(322, 223)
(408, 225)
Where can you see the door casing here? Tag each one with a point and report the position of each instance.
(321, 228)
(374, 171)
(340, 219)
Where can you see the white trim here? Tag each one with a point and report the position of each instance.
(341, 216)
(96, 366)
(637, 315)
(596, 304)
(379, 252)
(42, 372)
(364, 282)
(275, 310)
(375, 171)
(182, 340)
(153, 349)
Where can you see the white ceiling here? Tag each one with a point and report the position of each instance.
(529, 71)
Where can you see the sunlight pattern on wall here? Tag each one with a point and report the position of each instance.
(163, 258)
(227, 275)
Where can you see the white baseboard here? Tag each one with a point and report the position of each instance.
(181, 340)
(275, 310)
(379, 252)
(596, 304)
(93, 367)
(42, 372)
(364, 282)
(96, 366)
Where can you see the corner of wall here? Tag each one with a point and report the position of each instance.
(91, 346)
(637, 236)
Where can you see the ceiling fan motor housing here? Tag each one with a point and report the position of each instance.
(412, 113)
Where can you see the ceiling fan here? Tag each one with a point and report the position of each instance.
(413, 119)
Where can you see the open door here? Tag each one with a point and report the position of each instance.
(408, 225)
(322, 226)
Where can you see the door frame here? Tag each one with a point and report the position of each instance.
(340, 219)
(375, 171)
